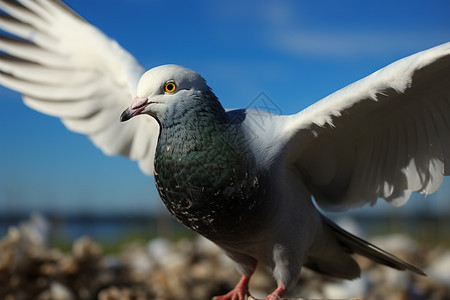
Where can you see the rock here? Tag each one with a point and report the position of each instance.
(59, 291)
(85, 248)
(439, 268)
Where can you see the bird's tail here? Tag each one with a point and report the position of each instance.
(354, 244)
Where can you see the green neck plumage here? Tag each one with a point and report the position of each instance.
(201, 135)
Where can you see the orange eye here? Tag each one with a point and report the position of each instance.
(170, 87)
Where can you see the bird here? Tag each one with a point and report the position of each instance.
(250, 181)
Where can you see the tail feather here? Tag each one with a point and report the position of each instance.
(354, 244)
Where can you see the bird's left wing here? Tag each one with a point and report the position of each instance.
(384, 136)
(65, 67)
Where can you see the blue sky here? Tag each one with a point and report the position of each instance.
(296, 52)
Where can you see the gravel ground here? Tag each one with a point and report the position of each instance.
(191, 269)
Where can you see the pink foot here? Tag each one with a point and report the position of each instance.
(240, 291)
(276, 294)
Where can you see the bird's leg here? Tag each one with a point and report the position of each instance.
(240, 291)
(277, 293)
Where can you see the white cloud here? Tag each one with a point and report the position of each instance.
(335, 43)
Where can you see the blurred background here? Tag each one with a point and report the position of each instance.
(296, 52)
(276, 55)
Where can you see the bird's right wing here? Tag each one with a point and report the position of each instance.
(65, 67)
(384, 136)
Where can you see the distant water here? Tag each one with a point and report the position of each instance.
(109, 229)
(113, 229)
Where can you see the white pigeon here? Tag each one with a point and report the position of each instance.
(384, 136)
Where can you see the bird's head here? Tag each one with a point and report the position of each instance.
(163, 88)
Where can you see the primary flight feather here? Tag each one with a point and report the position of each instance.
(245, 178)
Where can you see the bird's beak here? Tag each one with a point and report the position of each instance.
(136, 107)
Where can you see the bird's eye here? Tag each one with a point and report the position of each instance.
(170, 87)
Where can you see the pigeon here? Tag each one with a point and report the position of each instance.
(248, 180)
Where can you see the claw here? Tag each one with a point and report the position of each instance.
(276, 295)
(240, 291)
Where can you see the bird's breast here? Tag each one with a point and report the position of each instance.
(215, 194)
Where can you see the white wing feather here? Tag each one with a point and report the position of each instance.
(65, 67)
(384, 136)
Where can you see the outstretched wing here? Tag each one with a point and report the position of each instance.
(384, 136)
(65, 67)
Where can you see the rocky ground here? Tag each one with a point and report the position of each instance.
(191, 269)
